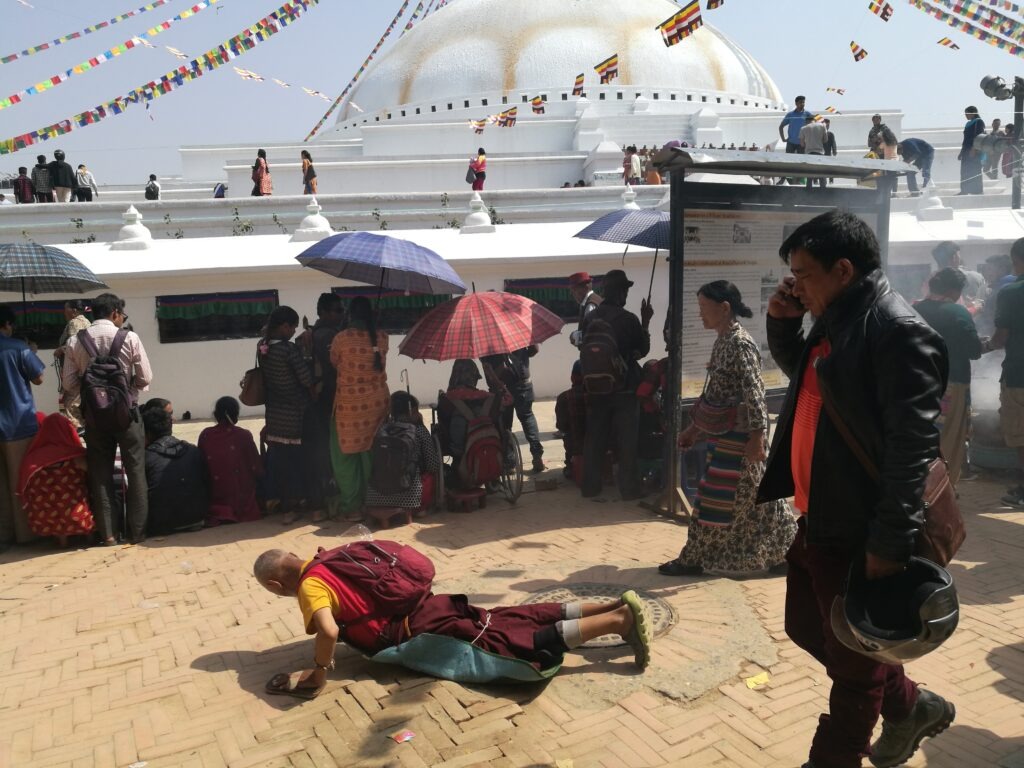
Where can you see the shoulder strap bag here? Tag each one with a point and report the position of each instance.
(253, 389)
(943, 532)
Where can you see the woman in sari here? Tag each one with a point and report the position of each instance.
(233, 465)
(730, 531)
(52, 482)
(74, 311)
(361, 403)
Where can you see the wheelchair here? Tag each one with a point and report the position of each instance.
(509, 483)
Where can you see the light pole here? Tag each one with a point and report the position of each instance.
(996, 88)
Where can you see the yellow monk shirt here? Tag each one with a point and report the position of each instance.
(348, 603)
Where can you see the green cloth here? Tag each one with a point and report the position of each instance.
(1010, 317)
(956, 327)
(452, 659)
(351, 474)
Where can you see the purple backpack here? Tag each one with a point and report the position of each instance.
(106, 398)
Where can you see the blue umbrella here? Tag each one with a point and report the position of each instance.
(644, 227)
(647, 228)
(386, 262)
(34, 268)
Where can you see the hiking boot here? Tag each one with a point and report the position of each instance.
(1015, 497)
(931, 715)
(538, 465)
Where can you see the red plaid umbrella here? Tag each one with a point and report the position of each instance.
(478, 325)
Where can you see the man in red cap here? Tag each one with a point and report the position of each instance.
(582, 287)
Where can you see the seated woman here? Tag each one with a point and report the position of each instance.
(53, 485)
(233, 466)
(419, 491)
(460, 405)
(175, 473)
(443, 635)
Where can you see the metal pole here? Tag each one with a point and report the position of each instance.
(674, 380)
(1018, 119)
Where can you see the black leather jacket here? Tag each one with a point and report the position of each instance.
(885, 375)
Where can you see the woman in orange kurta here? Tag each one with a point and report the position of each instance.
(361, 403)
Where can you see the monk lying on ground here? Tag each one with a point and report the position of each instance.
(376, 596)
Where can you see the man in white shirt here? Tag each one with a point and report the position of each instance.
(813, 136)
(101, 446)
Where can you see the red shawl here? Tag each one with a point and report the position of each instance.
(55, 442)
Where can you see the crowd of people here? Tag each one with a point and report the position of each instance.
(107, 466)
(850, 536)
(55, 181)
(339, 442)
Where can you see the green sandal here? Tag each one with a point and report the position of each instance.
(639, 636)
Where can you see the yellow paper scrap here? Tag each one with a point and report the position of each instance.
(757, 680)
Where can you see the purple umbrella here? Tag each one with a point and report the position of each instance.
(386, 262)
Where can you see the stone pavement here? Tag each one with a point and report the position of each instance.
(158, 654)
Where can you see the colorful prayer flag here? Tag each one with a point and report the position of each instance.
(175, 52)
(858, 52)
(507, 119)
(949, 44)
(538, 105)
(608, 69)
(577, 89)
(682, 24)
(882, 10)
(712, 4)
(478, 125)
(840, 91)
(359, 72)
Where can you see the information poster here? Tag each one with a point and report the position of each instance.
(742, 247)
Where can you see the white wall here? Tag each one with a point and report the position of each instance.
(193, 375)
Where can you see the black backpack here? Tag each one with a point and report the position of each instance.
(604, 370)
(395, 458)
(152, 191)
(106, 397)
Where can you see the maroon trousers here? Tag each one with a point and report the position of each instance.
(507, 631)
(861, 688)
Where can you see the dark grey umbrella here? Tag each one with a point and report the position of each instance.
(34, 268)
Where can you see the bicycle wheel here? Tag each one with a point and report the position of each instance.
(511, 480)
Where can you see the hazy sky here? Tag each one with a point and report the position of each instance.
(803, 44)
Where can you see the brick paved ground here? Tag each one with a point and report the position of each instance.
(159, 653)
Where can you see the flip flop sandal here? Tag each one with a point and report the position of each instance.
(284, 684)
(639, 636)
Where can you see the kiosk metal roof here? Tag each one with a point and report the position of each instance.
(739, 161)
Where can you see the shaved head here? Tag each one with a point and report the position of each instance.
(268, 565)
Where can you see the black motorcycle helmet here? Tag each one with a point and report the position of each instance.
(898, 618)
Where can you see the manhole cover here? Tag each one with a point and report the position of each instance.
(661, 612)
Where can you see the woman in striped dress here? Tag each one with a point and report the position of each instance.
(731, 532)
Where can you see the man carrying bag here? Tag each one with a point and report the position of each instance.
(90, 368)
(866, 379)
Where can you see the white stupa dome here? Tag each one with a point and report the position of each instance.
(473, 47)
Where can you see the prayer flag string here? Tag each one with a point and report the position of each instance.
(214, 58)
(359, 72)
(75, 35)
(967, 28)
(102, 58)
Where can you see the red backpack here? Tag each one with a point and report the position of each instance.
(396, 577)
(481, 461)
